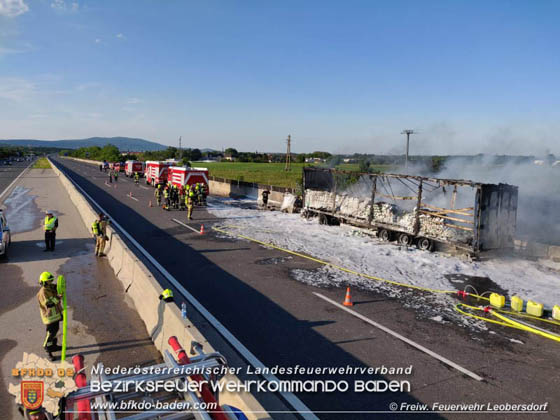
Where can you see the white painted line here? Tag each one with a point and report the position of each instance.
(294, 401)
(187, 226)
(15, 180)
(403, 338)
(131, 196)
(141, 186)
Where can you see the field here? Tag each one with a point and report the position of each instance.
(42, 163)
(266, 173)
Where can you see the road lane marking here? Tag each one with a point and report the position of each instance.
(289, 397)
(131, 196)
(402, 338)
(187, 226)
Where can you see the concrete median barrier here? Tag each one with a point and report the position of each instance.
(162, 320)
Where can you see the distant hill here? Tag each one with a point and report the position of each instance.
(123, 143)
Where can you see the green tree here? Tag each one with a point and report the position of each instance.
(231, 151)
(196, 154)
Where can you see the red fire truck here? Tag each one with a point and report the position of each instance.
(181, 176)
(131, 166)
(156, 171)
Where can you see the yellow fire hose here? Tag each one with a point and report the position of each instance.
(505, 321)
(61, 290)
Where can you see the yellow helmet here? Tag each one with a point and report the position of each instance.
(46, 277)
(166, 295)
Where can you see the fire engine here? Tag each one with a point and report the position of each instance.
(131, 166)
(156, 171)
(181, 176)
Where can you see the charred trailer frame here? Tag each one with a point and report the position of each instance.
(487, 224)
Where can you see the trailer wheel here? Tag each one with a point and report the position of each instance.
(405, 239)
(425, 244)
(385, 235)
(323, 219)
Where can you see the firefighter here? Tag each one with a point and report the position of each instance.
(110, 176)
(265, 194)
(136, 178)
(99, 230)
(116, 176)
(166, 196)
(181, 197)
(189, 201)
(51, 312)
(197, 193)
(51, 224)
(157, 193)
(172, 195)
(175, 197)
(204, 191)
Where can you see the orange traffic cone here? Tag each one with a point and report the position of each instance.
(348, 298)
(150, 203)
(130, 194)
(202, 229)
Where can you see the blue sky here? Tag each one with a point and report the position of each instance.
(470, 76)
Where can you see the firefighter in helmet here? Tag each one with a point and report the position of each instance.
(51, 312)
(157, 193)
(166, 295)
(166, 196)
(189, 201)
(136, 177)
(99, 230)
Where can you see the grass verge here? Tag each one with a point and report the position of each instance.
(42, 163)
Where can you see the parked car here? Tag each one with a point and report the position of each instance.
(5, 237)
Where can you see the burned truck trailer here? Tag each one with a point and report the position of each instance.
(468, 215)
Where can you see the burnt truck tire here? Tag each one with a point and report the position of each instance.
(405, 239)
(425, 244)
(385, 235)
(323, 220)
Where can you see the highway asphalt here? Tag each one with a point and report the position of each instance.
(8, 173)
(250, 290)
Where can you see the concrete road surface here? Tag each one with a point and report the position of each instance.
(250, 290)
(102, 325)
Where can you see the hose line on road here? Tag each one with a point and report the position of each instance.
(505, 321)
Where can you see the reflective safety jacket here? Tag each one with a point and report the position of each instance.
(95, 227)
(50, 223)
(49, 304)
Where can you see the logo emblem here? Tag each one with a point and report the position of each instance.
(32, 394)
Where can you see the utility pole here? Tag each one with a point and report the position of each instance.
(408, 133)
(180, 144)
(288, 166)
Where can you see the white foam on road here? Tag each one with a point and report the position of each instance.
(351, 248)
(20, 213)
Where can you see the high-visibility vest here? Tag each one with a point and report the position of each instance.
(50, 223)
(95, 227)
